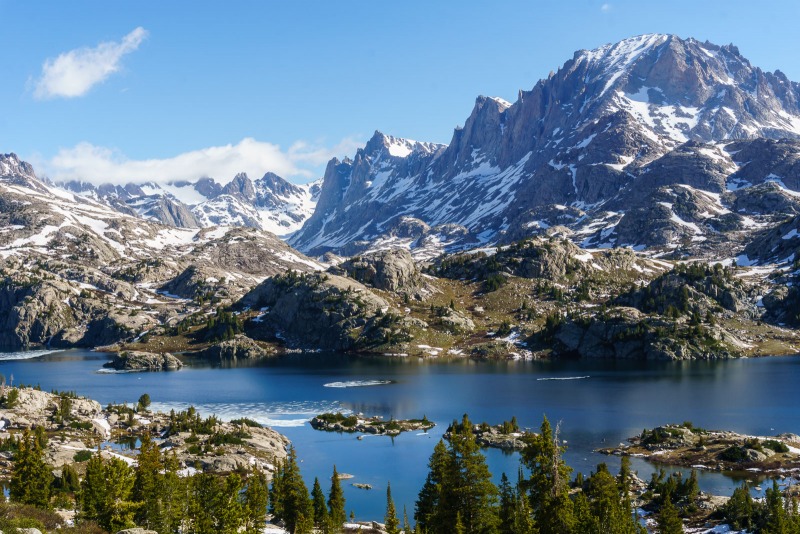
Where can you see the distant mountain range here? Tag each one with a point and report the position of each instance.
(656, 142)
(269, 203)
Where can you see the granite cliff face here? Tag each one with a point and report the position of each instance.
(614, 134)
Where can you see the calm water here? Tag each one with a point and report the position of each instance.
(598, 403)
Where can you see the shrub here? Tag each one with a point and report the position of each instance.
(82, 456)
(775, 445)
(246, 422)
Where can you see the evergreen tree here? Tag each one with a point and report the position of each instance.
(93, 489)
(255, 501)
(429, 496)
(548, 483)
(390, 519)
(147, 484)
(669, 522)
(336, 505)
(611, 512)
(290, 500)
(118, 508)
(320, 508)
(31, 477)
(406, 524)
(778, 519)
(459, 484)
(740, 509)
(175, 497)
(508, 506)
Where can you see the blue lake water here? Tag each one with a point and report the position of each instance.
(598, 404)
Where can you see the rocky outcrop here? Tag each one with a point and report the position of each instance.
(316, 311)
(144, 361)
(626, 333)
(390, 270)
(240, 348)
(31, 407)
(688, 446)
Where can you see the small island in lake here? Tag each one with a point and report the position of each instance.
(507, 435)
(688, 446)
(338, 422)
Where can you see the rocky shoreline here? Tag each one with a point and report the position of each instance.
(714, 450)
(337, 422)
(77, 427)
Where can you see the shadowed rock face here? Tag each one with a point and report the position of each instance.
(319, 311)
(600, 135)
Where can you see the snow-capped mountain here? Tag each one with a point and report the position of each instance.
(269, 203)
(630, 131)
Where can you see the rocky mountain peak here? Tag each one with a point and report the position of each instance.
(11, 165)
(241, 186)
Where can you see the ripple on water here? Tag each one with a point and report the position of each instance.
(563, 378)
(358, 383)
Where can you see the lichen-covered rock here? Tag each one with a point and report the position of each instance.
(144, 361)
(390, 270)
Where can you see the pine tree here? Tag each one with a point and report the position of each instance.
(92, 496)
(548, 483)
(118, 508)
(255, 501)
(320, 507)
(778, 518)
(147, 484)
(476, 494)
(740, 509)
(289, 497)
(429, 497)
(336, 504)
(175, 497)
(669, 522)
(406, 524)
(31, 477)
(458, 484)
(390, 519)
(508, 506)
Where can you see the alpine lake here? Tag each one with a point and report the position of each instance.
(597, 403)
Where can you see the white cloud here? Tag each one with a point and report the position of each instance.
(74, 73)
(95, 164)
(605, 8)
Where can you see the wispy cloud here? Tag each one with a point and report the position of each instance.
(605, 8)
(74, 73)
(96, 164)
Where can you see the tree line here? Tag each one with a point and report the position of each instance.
(458, 495)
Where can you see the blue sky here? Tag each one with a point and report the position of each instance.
(115, 91)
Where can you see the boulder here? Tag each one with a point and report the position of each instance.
(144, 361)
(390, 270)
